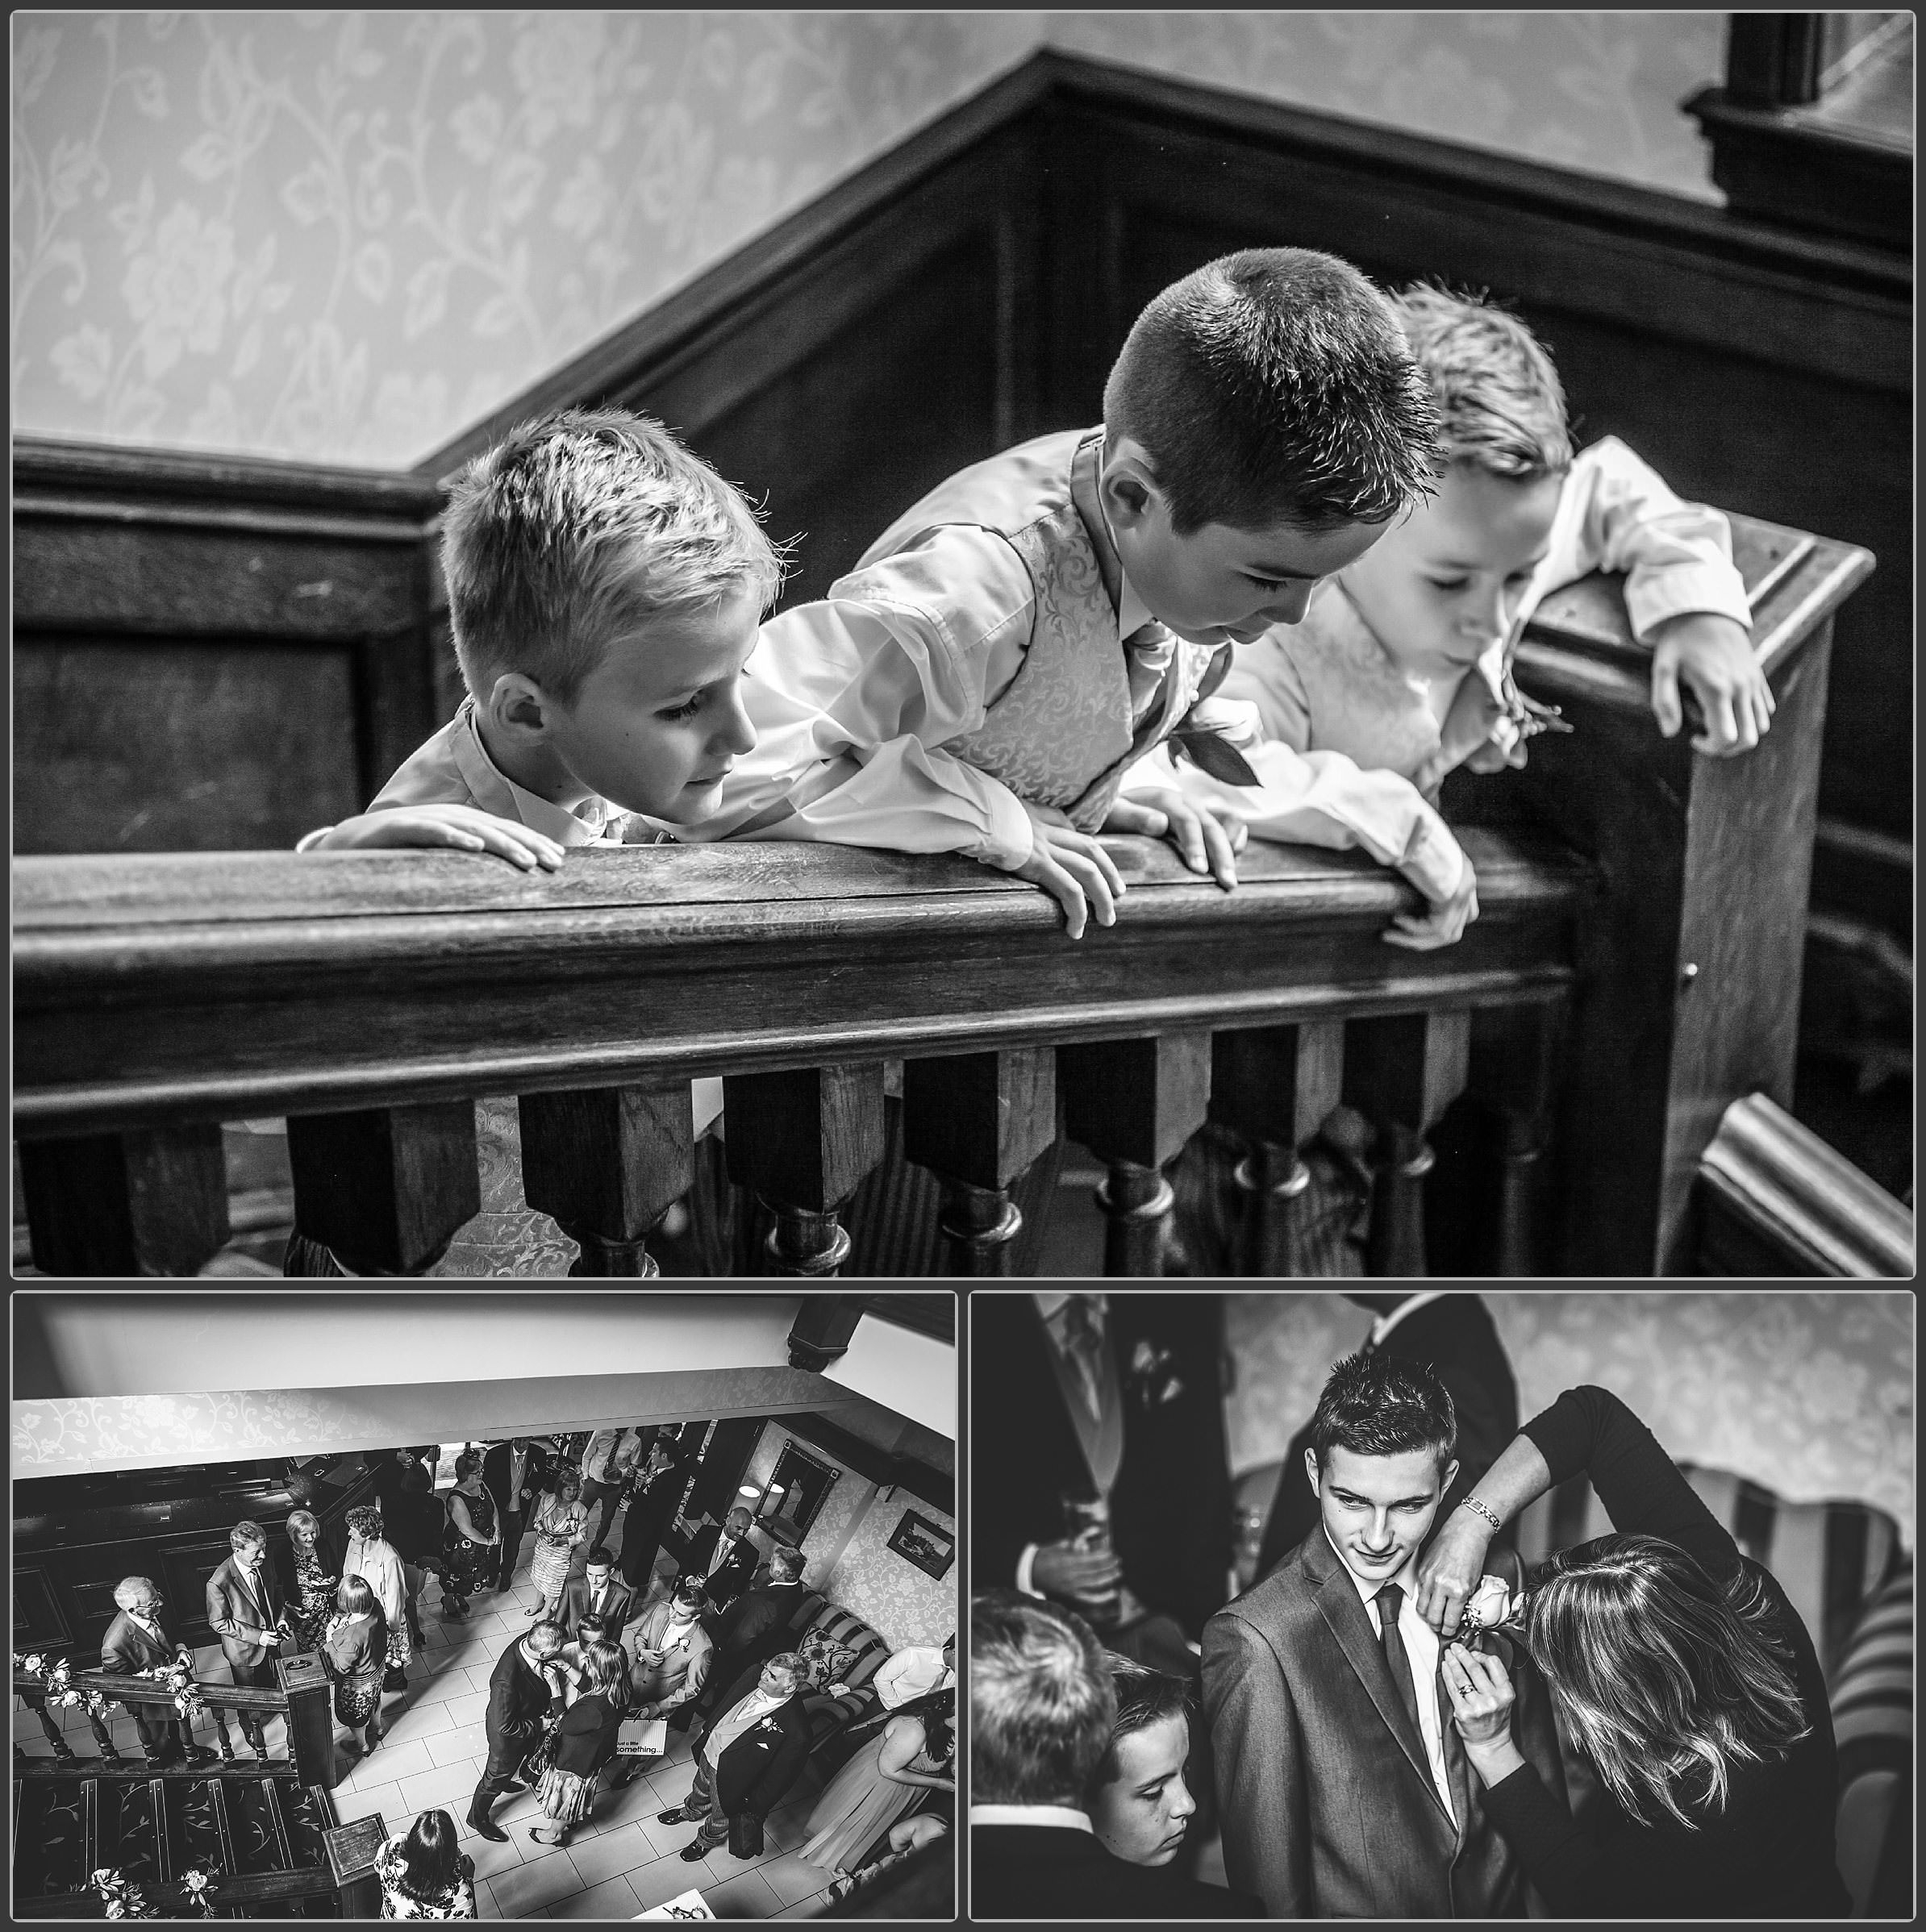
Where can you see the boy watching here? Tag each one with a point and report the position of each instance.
(1401, 664)
(604, 589)
(1008, 648)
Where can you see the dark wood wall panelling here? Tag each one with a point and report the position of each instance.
(967, 290)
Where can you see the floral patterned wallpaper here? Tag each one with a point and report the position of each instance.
(850, 1560)
(345, 236)
(1809, 1394)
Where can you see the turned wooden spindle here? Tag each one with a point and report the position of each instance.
(149, 1201)
(385, 1189)
(1402, 1073)
(50, 1725)
(1516, 1052)
(978, 1120)
(608, 1164)
(803, 1139)
(1273, 1086)
(1134, 1103)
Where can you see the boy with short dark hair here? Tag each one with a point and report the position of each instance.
(1015, 642)
(1400, 667)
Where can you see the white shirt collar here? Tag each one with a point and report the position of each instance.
(1367, 1590)
(1065, 1817)
(590, 821)
(1383, 1326)
(1050, 1302)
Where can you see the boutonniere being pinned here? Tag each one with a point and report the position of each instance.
(1495, 1606)
(1153, 1378)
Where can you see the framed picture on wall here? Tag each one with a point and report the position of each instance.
(805, 1480)
(931, 1547)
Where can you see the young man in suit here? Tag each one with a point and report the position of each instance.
(612, 1457)
(673, 1655)
(244, 1605)
(597, 1592)
(754, 1628)
(653, 1491)
(1455, 1335)
(519, 1696)
(512, 1473)
(137, 1640)
(748, 1758)
(722, 1557)
(1345, 1788)
(1042, 1705)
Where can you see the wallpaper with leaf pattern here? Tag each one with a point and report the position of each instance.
(1809, 1394)
(345, 236)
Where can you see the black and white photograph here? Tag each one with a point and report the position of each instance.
(1435, 1604)
(481, 1604)
(778, 645)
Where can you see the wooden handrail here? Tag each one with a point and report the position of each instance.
(153, 1690)
(209, 986)
(1775, 1199)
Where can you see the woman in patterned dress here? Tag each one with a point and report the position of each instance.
(585, 1741)
(558, 1524)
(307, 1581)
(426, 1875)
(474, 1537)
(354, 1649)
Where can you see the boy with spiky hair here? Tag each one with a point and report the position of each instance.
(604, 590)
(1015, 642)
(1400, 667)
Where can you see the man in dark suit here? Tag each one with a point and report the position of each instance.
(512, 1473)
(1041, 1708)
(519, 1696)
(1455, 1335)
(137, 1640)
(753, 1629)
(1077, 1398)
(748, 1758)
(1346, 1791)
(597, 1593)
(653, 1491)
(245, 1605)
(722, 1557)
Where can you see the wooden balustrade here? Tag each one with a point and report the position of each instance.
(1634, 970)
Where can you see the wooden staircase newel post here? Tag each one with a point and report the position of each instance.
(385, 1189)
(1273, 1086)
(803, 1139)
(1134, 1103)
(608, 1162)
(1402, 1073)
(978, 1120)
(148, 1201)
(310, 1716)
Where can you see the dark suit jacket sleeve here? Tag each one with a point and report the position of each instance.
(120, 1650)
(504, 1720)
(1255, 1750)
(223, 1611)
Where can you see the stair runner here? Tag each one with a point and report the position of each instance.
(73, 1821)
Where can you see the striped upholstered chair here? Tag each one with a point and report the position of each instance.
(1872, 1720)
(830, 1716)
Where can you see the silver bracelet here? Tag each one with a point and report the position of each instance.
(1471, 1502)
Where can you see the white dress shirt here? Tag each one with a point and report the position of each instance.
(1063, 1816)
(1349, 747)
(911, 1672)
(1421, 1647)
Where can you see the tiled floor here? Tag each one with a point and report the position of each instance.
(618, 1864)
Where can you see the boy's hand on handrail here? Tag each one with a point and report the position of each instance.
(463, 827)
(1714, 655)
(1073, 869)
(1443, 923)
(1206, 839)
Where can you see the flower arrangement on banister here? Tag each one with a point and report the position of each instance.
(61, 1691)
(178, 1676)
(126, 1900)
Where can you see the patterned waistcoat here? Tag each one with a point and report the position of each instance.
(1060, 735)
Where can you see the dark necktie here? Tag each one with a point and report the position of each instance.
(1389, 1600)
(1085, 1346)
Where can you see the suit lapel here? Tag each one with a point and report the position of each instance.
(1349, 1622)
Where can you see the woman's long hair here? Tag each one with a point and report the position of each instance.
(431, 1852)
(606, 1667)
(1667, 1678)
